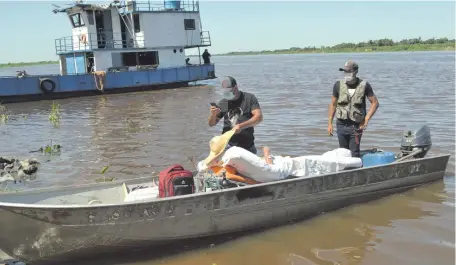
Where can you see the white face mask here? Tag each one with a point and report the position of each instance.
(228, 94)
(349, 77)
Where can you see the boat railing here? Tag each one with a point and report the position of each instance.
(160, 6)
(151, 68)
(205, 41)
(96, 41)
(205, 38)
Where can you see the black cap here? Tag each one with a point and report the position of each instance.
(229, 82)
(349, 67)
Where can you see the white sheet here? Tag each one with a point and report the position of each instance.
(250, 165)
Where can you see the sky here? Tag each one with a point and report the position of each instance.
(29, 28)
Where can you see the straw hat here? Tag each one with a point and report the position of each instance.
(218, 145)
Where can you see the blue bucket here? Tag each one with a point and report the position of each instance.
(377, 159)
(172, 4)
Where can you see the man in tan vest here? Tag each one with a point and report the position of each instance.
(348, 103)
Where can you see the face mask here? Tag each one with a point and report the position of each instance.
(228, 95)
(349, 77)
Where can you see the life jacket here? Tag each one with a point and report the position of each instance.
(232, 174)
(351, 107)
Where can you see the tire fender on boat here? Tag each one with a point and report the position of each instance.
(43, 86)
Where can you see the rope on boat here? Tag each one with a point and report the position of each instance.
(94, 201)
(99, 77)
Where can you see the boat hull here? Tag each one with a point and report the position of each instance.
(36, 234)
(28, 88)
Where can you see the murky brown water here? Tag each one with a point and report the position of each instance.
(140, 133)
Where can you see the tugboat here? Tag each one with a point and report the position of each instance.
(123, 46)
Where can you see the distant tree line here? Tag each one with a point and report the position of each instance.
(27, 63)
(390, 42)
(373, 45)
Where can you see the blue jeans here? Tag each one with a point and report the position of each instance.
(349, 137)
(252, 149)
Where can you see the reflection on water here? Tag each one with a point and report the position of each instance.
(140, 133)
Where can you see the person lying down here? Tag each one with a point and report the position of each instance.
(273, 167)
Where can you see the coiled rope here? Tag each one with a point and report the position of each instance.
(99, 77)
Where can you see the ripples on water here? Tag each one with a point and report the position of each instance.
(139, 133)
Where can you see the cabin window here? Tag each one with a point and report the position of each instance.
(129, 58)
(136, 22)
(76, 20)
(189, 24)
(90, 17)
(140, 58)
(147, 58)
(117, 60)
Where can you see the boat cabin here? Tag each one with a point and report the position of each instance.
(129, 36)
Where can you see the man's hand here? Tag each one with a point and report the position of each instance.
(331, 111)
(363, 125)
(330, 129)
(214, 111)
(267, 154)
(237, 128)
(213, 119)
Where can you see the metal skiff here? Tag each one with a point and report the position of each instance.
(56, 224)
(61, 224)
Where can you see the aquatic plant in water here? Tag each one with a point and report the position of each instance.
(51, 149)
(4, 114)
(54, 117)
(104, 178)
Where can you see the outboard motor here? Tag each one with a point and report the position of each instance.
(416, 139)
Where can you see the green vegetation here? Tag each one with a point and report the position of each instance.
(54, 117)
(4, 114)
(382, 45)
(6, 65)
(104, 178)
(50, 149)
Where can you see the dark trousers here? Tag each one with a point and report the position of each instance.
(251, 149)
(349, 137)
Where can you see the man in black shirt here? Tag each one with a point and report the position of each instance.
(348, 102)
(241, 112)
(206, 57)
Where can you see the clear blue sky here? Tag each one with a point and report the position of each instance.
(29, 27)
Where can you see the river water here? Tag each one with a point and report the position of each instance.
(141, 133)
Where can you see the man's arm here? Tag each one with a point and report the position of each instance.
(214, 116)
(267, 154)
(257, 115)
(332, 105)
(373, 100)
(212, 120)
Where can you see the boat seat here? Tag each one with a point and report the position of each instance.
(124, 193)
(125, 190)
